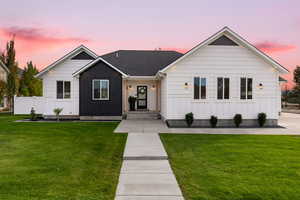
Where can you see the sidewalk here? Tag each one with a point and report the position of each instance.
(289, 126)
(146, 173)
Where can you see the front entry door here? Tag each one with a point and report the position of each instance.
(141, 97)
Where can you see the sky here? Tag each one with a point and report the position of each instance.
(46, 30)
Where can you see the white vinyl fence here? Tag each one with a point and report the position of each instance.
(23, 105)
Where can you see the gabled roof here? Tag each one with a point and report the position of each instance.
(282, 79)
(141, 62)
(94, 62)
(229, 33)
(75, 52)
(3, 66)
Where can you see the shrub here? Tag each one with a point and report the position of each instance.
(262, 118)
(213, 121)
(33, 115)
(57, 112)
(189, 118)
(238, 119)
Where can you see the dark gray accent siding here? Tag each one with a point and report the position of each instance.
(225, 41)
(90, 107)
(82, 56)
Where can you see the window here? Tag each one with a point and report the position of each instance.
(63, 89)
(223, 88)
(246, 88)
(199, 88)
(100, 89)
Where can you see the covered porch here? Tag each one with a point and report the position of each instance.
(146, 90)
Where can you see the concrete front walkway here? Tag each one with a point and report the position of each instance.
(290, 125)
(146, 173)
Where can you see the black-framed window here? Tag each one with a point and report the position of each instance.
(223, 88)
(246, 88)
(200, 88)
(63, 89)
(100, 89)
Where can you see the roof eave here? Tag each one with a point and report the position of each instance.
(73, 52)
(271, 61)
(4, 66)
(94, 62)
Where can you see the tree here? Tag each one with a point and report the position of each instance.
(9, 59)
(297, 84)
(29, 85)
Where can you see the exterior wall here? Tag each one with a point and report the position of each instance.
(3, 74)
(151, 92)
(23, 105)
(63, 72)
(220, 61)
(163, 98)
(3, 77)
(111, 107)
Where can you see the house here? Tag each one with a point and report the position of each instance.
(3, 77)
(222, 76)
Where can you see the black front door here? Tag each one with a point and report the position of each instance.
(141, 97)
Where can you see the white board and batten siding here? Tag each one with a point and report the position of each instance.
(163, 96)
(211, 62)
(62, 72)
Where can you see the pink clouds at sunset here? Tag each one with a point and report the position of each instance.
(273, 47)
(31, 39)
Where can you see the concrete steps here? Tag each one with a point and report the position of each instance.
(142, 115)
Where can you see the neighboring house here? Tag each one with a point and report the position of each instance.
(222, 76)
(3, 77)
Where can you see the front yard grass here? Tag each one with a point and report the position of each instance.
(235, 167)
(59, 161)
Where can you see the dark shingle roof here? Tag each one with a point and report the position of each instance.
(141, 63)
(282, 79)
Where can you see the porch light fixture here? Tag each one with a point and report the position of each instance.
(186, 85)
(153, 87)
(129, 86)
(260, 86)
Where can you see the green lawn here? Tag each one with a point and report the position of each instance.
(78, 161)
(236, 167)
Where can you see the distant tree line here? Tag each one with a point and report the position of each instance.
(19, 82)
(293, 95)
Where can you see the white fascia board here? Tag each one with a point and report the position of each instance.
(4, 67)
(141, 78)
(70, 54)
(228, 32)
(95, 61)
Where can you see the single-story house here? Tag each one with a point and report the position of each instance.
(222, 76)
(3, 77)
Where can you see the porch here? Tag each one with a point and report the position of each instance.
(147, 92)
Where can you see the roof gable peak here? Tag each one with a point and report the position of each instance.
(73, 53)
(237, 39)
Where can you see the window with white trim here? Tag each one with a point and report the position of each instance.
(63, 89)
(199, 88)
(246, 88)
(100, 89)
(223, 88)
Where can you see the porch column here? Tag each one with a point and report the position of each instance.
(158, 93)
(125, 95)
